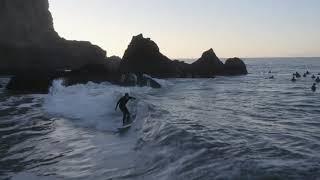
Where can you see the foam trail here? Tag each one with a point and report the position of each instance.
(90, 105)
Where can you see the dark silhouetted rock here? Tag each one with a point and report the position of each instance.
(208, 65)
(129, 79)
(89, 73)
(138, 80)
(34, 82)
(145, 80)
(235, 66)
(28, 40)
(99, 73)
(113, 64)
(143, 57)
(183, 69)
(114, 58)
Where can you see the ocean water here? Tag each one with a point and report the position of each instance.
(244, 127)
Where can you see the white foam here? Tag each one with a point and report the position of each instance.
(90, 104)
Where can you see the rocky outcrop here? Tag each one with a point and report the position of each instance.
(101, 73)
(183, 70)
(235, 66)
(113, 64)
(143, 57)
(28, 40)
(138, 80)
(89, 73)
(34, 82)
(145, 80)
(208, 65)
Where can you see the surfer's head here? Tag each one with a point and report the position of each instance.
(126, 94)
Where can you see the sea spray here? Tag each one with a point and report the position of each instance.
(91, 104)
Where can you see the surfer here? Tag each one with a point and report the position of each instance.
(122, 105)
(314, 87)
(293, 79)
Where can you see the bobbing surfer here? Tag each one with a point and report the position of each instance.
(122, 105)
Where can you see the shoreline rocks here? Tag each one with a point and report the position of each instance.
(34, 54)
(143, 56)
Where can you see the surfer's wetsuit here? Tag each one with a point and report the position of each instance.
(122, 105)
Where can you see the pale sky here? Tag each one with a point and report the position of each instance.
(186, 28)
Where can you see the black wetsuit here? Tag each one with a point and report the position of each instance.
(122, 105)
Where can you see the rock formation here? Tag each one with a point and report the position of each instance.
(235, 66)
(28, 40)
(113, 64)
(32, 82)
(35, 54)
(143, 56)
(208, 65)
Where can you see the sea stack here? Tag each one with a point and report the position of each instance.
(235, 66)
(144, 57)
(208, 65)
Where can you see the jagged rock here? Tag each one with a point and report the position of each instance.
(33, 82)
(145, 80)
(99, 73)
(183, 69)
(208, 65)
(143, 57)
(28, 40)
(129, 79)
(138, 80)
(235, 66)
(113, 64)
(114, 58)
(88, 73)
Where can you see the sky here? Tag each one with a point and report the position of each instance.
(186, 28)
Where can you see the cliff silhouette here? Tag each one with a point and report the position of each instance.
(32, 51)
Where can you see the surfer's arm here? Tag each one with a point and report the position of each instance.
(132, 98)
(117, 105)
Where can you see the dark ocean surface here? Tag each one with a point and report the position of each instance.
(244, 127)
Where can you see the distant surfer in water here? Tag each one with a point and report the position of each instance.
(122, 105)
(314, 87)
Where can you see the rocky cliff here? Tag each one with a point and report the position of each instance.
(28, 40)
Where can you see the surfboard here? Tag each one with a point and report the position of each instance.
(125, 127)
